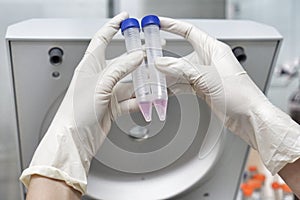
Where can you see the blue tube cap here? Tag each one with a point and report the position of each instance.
(150, 19)
(129, 23)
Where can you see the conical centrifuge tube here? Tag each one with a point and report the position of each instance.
(151, 28)
(131, 30)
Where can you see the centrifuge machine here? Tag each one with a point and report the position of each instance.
(189, 156)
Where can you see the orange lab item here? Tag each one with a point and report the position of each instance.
(276, 185)
(255, 184)
(252, 168)
(286, 188)
(260, 177)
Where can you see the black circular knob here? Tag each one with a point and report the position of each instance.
(239, 53)
(56, 55)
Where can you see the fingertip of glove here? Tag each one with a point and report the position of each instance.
(165, 21)
(120, 17)
(123, 14)
(161, 62)
(137, 54)
(136, 57)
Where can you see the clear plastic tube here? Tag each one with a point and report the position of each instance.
(287, 192)
(151, 29)
(277, 190)
(131, 30)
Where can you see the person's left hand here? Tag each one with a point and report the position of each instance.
(84, 117)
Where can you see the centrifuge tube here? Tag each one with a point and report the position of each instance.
(131, 30)
(287, 192)
(151, 28)
(277, 190)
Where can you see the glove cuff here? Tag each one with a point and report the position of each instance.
(52, 172)
(271, 132)
(277, 136)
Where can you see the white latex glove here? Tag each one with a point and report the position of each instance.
(84, 117)
(216, 75)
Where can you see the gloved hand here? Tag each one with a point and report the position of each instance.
(84, 117)
(216, 76)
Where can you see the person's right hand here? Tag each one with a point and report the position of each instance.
(215, 75)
